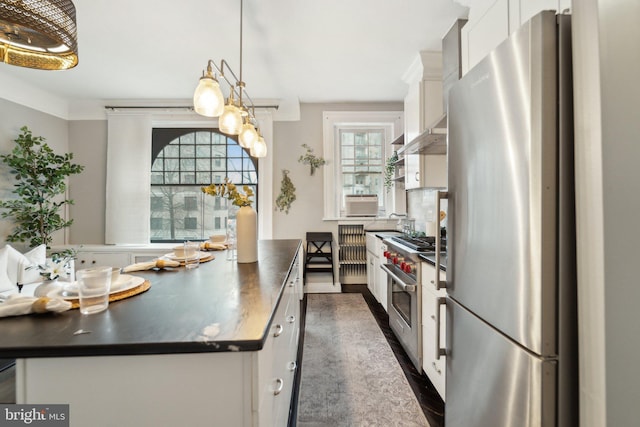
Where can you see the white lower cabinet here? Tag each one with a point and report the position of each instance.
(433, 364)
(109, 259)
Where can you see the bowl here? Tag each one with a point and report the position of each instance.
(179, 251)
(115, 274)
(217, 238)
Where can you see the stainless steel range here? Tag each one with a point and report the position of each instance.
(404, 296)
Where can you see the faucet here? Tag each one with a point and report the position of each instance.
(398, 215)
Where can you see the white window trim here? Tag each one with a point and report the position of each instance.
(334, 120)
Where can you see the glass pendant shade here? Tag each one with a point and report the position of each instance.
(38, 34)
(259, 149)
(230, 122)
(207, 99)
(248, 136)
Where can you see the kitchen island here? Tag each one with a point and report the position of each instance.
(215, 345)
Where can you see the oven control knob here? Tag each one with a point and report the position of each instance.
(395, 259)
(386, 254)
(408, 268)
(403, 266)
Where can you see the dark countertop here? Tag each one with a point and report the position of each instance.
(220, 306)
(430, 257)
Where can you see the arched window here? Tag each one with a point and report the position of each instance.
(184, 160)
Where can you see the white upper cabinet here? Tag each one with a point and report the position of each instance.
(492, 21)
(423, 106)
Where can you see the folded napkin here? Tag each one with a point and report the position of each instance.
(16, 305)
(159, 263)
(213, 246)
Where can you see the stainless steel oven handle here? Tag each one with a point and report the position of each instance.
(439, 303)
(439, 283)
(404, 286)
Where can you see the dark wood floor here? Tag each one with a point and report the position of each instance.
(425, 392)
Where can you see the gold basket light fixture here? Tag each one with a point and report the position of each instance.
(38, 34)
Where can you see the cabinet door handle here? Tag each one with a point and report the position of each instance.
(291, 318)
(279, 386)
(292, 366)
(279, 330)
(439, 351)
(292, 282)
(418, 176)
(436, 368)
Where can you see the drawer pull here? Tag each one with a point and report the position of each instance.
(279, 386)
(292, 366)
(279, 330)
(291, 283)
(291, 319)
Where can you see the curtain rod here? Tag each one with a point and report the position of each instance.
(174, 107)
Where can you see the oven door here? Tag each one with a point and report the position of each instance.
(404, 314)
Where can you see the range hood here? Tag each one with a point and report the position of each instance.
(432, 141)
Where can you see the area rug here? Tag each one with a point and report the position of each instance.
(350, 376)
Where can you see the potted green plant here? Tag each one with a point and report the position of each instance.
(41, 183)
(390, 170)
(311, 159)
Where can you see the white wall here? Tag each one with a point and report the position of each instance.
(56, 132)
(88, 143)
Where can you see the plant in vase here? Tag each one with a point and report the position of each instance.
(311, 159)
(41, 183)
(56, 267)
(246, 218)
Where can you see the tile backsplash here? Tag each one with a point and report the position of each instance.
(421, 206)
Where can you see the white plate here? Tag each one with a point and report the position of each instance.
(124, 283)
(172, 256)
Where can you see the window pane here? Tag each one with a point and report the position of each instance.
(187, 151)
(171, 150)
(187, 164)
(203, 138)
(157, 178)
(234, 151)
(171, 165)
(203, 151)
(203, 178)
(346, 138)
(219, 151)
(187, 178)
(347, 152)
(157, 166)
(203, 164)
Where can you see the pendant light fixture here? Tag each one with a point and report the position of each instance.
(248, 135)
(235, 118)
(38, 34)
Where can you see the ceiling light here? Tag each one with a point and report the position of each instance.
(259, 149)
(230, 121)
(38, 34)
(248, 135)
(208, 99)
(207, 102)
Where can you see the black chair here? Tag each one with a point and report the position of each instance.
(319, 254)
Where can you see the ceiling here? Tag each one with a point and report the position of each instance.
(308, 50)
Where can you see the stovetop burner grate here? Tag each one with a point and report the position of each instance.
(421, 244)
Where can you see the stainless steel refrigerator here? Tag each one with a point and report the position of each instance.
(511, 308)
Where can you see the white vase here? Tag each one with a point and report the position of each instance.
(247, 235)
(47, 287)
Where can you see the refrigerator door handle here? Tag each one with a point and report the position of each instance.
(439, 303)
(441, 195)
